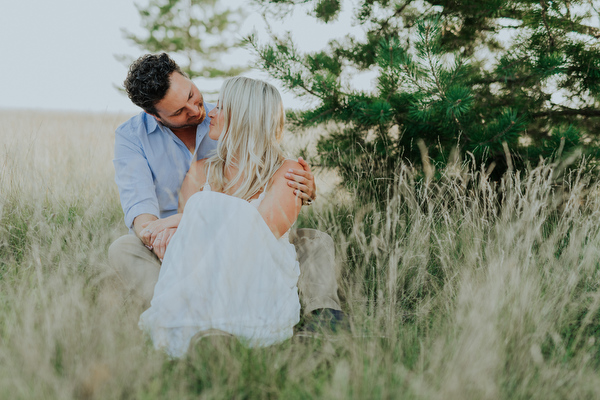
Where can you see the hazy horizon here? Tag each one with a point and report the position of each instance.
(67, 60)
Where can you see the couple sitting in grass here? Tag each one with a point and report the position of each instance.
(210, 201)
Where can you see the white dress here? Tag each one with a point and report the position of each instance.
(224, 269)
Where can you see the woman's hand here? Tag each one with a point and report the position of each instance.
(152, 229)
(303, 181)
(159, 246)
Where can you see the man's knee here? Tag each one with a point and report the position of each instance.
(128, 253)
(312, 238)
(318, 281)
(137, 267)
(121, 247)
(316, 253)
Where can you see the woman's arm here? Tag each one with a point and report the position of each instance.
(193, 183)
(281, 206)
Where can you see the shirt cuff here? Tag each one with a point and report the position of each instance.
(139, 209)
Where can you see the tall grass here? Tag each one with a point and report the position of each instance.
(456, 289)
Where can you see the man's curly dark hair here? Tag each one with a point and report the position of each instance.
(148, 81)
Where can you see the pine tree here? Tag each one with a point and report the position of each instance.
(198, 30)
(448, 85)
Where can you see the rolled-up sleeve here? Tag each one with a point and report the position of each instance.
(133, 177)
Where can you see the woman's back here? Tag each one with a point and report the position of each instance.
(279, 205)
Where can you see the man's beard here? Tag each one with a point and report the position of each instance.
(189, 124)
(193, 124)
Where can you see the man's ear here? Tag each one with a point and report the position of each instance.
(155, 116)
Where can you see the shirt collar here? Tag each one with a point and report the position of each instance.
(149, 122)
(152, 125)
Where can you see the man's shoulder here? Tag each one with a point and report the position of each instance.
(141, 123)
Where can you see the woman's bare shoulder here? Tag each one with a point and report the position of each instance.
(287, 165)
(200, 163)
(198, 167)
(279, 179)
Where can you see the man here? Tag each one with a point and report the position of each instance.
(153, 152)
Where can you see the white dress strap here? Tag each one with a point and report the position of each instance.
(265, 189)
(206, 186)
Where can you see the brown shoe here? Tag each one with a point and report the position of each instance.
(324, 321)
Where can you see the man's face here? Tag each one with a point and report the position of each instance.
(182, 106)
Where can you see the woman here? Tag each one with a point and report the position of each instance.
(230, 265)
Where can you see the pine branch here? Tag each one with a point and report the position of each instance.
(321, 115)
(575, 27)
(566, 111)
(516, 79)
(275, 66)
(502, 133)
(384, 24)
(432, 69)
(544, 9)
(520, 15)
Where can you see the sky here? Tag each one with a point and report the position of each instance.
(60, 55)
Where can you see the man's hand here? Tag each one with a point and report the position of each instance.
(303, 181)
(152, 229)
(138, 223)
(159, 245)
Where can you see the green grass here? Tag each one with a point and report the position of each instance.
(452, 292)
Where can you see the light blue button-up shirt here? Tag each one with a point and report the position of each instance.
(151, 163)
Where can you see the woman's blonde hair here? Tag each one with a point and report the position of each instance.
(250, 141)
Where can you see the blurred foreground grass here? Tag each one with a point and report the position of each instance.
(452, 293)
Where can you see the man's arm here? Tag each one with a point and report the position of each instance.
(133, 177)
(136, 188)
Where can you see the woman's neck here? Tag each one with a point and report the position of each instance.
(230, 173)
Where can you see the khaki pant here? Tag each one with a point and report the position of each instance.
(138, 268)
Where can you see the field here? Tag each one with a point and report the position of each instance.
(458, 289)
